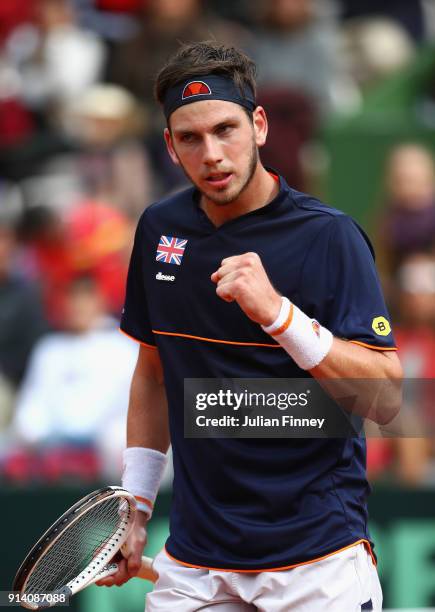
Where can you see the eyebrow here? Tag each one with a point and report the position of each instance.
(228, 120)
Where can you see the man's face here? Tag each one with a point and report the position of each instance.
(216, 144)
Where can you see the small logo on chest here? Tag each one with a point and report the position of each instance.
(165, 277)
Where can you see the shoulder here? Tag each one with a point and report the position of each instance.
(333, 225)
(307, 202)
(172, 206)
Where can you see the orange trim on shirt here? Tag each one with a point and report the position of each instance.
(278, 569)
(286, 324)
(163, 333)
(151, 346)
(274, 176)
(375, 348)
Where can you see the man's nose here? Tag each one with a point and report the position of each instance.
(212, 151)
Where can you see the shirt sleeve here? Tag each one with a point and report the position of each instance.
(135, 320)
(348, 298)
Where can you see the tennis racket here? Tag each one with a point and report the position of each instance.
(78, 548)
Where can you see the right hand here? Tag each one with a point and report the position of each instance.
(130, 562)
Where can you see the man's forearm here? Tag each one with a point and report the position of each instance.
(370, 378)
(348, 360)
(147, 431)
(147, 421)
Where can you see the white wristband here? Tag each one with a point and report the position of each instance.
(304, 339)
(143, 471)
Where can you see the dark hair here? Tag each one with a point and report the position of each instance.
(206, 57)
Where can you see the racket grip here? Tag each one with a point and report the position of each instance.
(147, 572)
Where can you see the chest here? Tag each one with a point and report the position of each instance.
(181, 296)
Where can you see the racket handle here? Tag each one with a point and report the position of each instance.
(147, 572)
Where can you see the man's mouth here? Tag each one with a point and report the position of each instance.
(219, 179)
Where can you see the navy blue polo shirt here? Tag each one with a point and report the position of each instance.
(253, 504)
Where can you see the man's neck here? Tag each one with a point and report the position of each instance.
(262, 189)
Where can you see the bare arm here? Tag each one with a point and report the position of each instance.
(348, 360)
(147, 420)
(147, 426)
(354, 365)
(243, 279)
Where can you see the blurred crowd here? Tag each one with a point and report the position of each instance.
(406, 259)
(81, 156)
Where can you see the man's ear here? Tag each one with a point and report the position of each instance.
(261, 128)
(170, 147)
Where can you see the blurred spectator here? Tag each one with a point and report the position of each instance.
(408, 225)
(47, 258)
(102, 116)
(415, 332)
(164, 24)
(107, 161)
(100, 239)
(57, 60)
(297, 47)
(410, 457)
(375, 48)
(76, 384)
(301, 79)
(114, 165)
(21, 318)
(92, 238)
(292, 123)
(415, 337)
(409, 15)
(45, 63)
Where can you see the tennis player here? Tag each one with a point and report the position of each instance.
(240, 276)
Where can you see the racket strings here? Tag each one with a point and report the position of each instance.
(96, 531)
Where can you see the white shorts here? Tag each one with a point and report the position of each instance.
(344, 582)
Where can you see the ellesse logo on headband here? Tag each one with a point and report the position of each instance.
(196, 88)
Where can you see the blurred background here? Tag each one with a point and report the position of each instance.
(349, 88)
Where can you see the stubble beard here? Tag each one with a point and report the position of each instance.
(228, 198)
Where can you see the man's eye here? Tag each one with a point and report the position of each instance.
(223, 129)
(187, 138)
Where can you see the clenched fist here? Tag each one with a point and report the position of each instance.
(243, 279)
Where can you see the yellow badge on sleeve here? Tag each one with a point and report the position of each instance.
(381, 326)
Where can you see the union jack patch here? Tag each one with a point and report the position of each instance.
(171, 249)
